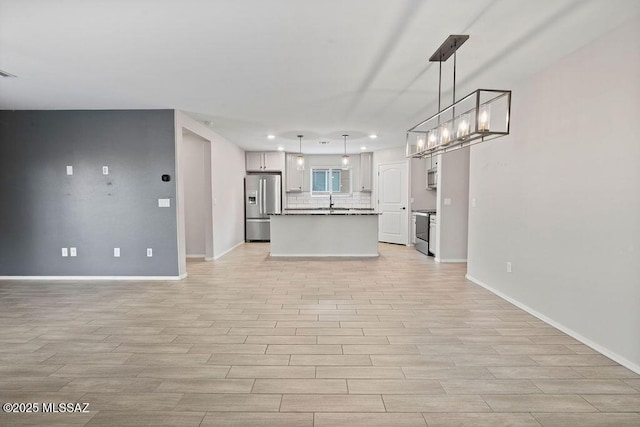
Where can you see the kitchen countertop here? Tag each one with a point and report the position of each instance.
(328, 212)
(424, 212)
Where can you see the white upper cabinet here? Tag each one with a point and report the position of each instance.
(295, 178)
(270, 161)
(274, 161)
(366, 167)
(254, 161)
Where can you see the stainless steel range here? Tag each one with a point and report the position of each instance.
(423, 229)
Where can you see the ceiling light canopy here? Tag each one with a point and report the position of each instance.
(480, 116)
(270, 136)
(373, 136)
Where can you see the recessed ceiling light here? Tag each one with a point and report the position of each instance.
(373, 136)
(271, 137)
(363, 147)
(281, 148)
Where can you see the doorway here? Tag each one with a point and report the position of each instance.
(393, 203)
(196, 164)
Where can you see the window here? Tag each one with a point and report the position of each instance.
(330, 181)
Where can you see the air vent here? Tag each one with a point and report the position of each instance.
(323, 142)
(5, 74)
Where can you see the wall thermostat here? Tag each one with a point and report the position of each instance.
(166, 178)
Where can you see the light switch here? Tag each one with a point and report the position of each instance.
(149, 252)
(473, 202)
(105, 170)
(69, 170)
(447, 202)
(164, 203)
(73, 252)
(65, 252)
(116, 252)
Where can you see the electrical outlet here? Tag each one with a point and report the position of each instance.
(447, 202)
(73, 252)
(105, 170)
(69, 170)
(164, 203)
(508, 266)
(65, 252)
(149, 252)
(116, 252)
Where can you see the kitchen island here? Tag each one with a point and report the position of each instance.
(324, 233)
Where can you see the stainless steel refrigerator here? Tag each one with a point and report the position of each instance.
(263, 196)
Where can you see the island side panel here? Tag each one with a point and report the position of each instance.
(324, 235)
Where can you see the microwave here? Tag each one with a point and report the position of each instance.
(432, 179)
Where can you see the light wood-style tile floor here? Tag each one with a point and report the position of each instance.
(248, 340)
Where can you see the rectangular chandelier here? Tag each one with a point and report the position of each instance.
(480, 116)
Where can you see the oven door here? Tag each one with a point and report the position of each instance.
(422, 233)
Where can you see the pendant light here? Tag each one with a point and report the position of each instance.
(345, 158)
(300, 158)
(482, 115)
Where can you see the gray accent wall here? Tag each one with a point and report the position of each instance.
(43, 209)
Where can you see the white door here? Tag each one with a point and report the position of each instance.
(392, 203)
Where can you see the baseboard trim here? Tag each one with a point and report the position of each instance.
(227, 251)
(452, 260)
(182, 276)
(324, 256)
(195, 255)
(597, 347)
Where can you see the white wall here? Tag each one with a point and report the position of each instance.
(194, 194)
(422, 198)
(453, 218)
(228, 164)
(560, 197)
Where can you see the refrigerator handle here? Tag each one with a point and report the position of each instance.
(260, 196)
(264, 198)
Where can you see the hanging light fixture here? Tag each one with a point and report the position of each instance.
(345, 158)
(480, 116)
(300, 158)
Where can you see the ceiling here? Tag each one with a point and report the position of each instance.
(249, 68)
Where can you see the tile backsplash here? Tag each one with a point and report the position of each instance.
(304, 200)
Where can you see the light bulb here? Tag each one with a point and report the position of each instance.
(483, 119)
(463, 127)
(420, 144)
(444, 135)
(345, 162)
(432, 139)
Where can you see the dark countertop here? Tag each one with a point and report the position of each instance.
(424, 212)
(328, 212)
